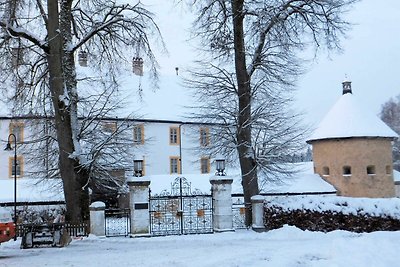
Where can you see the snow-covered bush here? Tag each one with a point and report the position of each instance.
(39, 214)
(328, 213)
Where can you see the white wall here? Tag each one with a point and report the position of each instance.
(156, 150)
(4, 155)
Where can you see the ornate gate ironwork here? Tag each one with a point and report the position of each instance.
(117, 222)
(238, 211)
(180, 211)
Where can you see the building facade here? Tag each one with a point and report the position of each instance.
(165, 147)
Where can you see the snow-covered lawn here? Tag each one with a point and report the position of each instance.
(287, 246)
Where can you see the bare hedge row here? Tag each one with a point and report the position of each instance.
(325, 221)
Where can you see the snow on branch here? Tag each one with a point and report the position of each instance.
(22, 33)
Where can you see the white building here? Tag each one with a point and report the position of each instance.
(166, 147)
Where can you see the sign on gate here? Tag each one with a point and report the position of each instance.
(180, 211)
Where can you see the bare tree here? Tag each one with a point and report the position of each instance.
(390, 114)
(253, 46)
(38, 45)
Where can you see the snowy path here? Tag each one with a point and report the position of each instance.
(288, 246)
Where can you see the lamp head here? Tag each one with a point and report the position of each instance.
(8, 147)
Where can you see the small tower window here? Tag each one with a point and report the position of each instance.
(325, 171)
(371, 170)
(346, 170)
(388, 169)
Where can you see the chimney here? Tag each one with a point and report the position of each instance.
(346, 87)
(137, 65)
(17, 56)
(83, 58)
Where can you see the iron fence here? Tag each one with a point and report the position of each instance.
(74, 230)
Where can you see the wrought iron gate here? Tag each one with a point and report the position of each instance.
(117, 222)
(238, 211)
(180, 211)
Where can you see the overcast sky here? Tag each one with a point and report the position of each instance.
(371, 57)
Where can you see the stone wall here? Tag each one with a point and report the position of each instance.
(331, 156)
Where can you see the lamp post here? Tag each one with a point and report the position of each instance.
(9, 148)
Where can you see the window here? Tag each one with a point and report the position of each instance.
(174, 136)
(205, 165)
(139, 167)
(371, 170)
(174, 165)
(17, 128)
(346, 170)
(325, 171)
(388, 169)
(204, 137)
(138, 134)
(11, 167)
(110, 127)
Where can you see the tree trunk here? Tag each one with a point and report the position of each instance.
(72, 176)
(244, 146)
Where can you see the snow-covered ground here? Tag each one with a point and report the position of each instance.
(287, 246)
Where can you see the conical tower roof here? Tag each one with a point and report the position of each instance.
(348, 118)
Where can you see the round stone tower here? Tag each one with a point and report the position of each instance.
(352, 149)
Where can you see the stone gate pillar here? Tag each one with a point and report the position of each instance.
(257, 207)
(139, 206)
(97, 218)
(221, 188)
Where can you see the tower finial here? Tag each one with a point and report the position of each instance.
(346, 86)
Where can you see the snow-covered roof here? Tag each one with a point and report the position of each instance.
(304, 180)
(396, 176)
(349, 118)
(138, 94)
(141, 97)
(28, 190)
